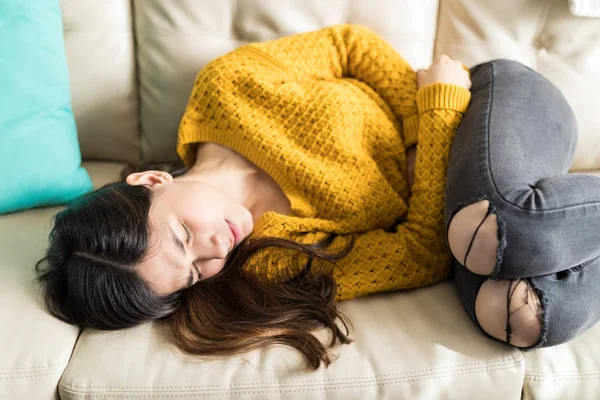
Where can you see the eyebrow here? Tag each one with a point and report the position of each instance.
(181, 248)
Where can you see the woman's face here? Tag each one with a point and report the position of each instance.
(191, 230)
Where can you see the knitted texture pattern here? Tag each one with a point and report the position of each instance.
(328, 115)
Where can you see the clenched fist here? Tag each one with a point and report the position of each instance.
(444, 70)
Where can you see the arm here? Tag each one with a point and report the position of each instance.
(414, 254)
(352, 51)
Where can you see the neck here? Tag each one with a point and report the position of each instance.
(228, 171)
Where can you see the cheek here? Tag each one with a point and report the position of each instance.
(212, 268)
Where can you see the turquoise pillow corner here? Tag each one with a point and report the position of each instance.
(40, 160)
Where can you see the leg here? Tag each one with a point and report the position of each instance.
(507, 310)
(510, 310)
(535, 312)
(473, 235)
(512, 211)
(514, 148)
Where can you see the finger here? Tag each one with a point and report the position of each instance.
(443, 59)
(467, 82)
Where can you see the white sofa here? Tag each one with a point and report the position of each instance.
(132, 65)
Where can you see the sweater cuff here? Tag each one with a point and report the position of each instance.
(443, 95)
(410, 130)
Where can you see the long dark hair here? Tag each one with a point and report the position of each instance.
(89, 279)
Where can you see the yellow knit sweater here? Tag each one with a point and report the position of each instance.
(328, 115)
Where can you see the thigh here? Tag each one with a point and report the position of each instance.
(518, 130)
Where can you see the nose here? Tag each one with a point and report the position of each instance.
(209, 246)
(221, 247)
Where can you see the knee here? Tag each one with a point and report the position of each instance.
(510, 311)
(473, 238)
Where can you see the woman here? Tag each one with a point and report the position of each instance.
(294, 195)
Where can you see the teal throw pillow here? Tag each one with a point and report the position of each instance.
(40, 158)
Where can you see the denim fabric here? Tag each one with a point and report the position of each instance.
(514, 148)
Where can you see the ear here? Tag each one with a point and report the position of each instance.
(149, 178)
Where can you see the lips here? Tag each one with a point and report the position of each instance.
(234, 234)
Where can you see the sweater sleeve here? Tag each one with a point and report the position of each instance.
(415, 253)
(352, 51)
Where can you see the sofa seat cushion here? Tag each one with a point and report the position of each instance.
(567, 371)
(35, 347)
(416, 344)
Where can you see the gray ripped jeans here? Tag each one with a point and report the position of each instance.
(513, 149)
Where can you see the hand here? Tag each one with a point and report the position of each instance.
(444, 70)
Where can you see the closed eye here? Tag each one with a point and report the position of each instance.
(188, 232)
